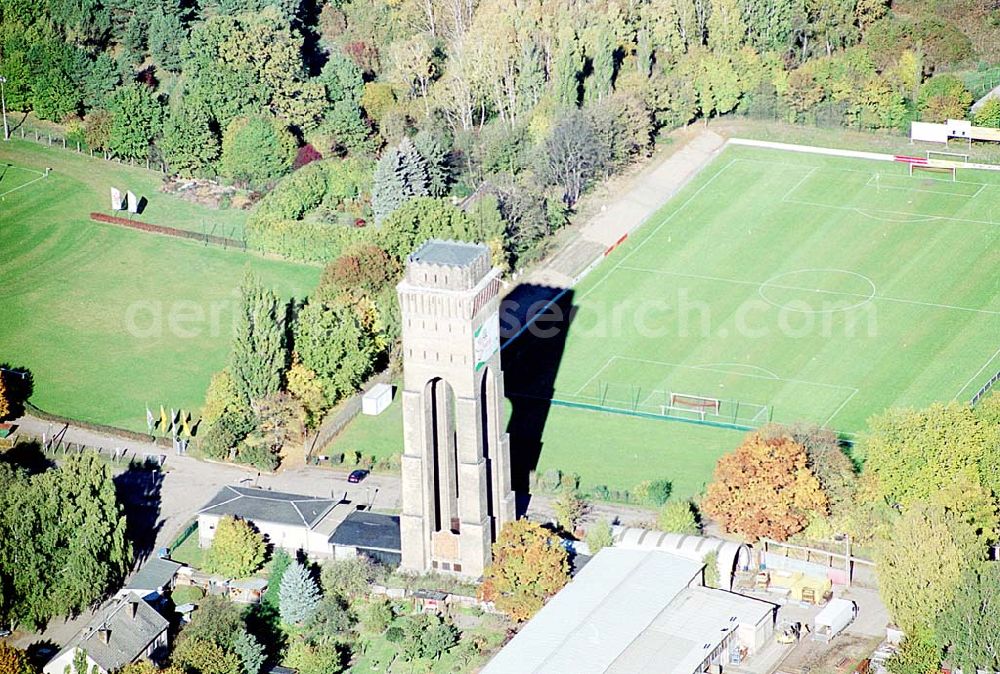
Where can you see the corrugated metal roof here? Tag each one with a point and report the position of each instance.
(584, 628)
(629, 611)
(690, 628)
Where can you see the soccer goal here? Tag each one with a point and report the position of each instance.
(949, 156)
(694, 405)
(937, 168)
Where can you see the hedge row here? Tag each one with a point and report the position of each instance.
(98, 428)
(169, 231)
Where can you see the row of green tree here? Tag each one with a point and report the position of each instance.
(529, 103)
(63, 544)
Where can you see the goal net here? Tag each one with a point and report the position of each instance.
(937, 168)
(633, 399)
(696, 403)
(949, 156)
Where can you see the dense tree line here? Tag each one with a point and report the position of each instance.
(531, 102)
(63, 544)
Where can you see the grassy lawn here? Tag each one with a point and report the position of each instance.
(189, 553)
(795, 287)
(379, 653)
(377, 436)
(776, 286)
(109, 319)
(609, 449)
(96, 177)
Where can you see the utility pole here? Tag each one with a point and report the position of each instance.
(3, 104)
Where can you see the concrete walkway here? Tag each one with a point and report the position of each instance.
(624, 212)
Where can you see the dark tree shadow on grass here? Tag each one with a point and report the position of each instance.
(138, 490)
(29, 456)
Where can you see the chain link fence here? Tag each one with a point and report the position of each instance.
(53, 138)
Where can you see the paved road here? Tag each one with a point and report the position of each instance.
(188, 483)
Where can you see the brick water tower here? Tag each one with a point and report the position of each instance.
(456, 457)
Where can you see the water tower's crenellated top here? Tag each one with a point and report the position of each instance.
(448, 265)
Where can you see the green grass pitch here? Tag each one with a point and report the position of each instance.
(821, 288)
(109, 319)
(798, 287)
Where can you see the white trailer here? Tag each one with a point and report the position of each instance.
(377, 399)
(832, 620)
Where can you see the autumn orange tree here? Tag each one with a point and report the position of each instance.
(764, 489)
(4, 398)
(529, 566)
(14, 661)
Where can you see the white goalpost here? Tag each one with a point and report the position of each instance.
(949, 156)
(695, 405)
(946, 168)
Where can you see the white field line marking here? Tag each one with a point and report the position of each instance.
(15, 189)
(842, 406)
(871, 183)
(24, 168)
(908, 215)
(915, 220)
(594, 376)
(935, 305)
(738, 374)
(979, 372)
(797, 185)
(849, 170)
(656, 229)
(771, 373)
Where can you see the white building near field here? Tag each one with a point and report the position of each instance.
(637, 611)
(323, 528)
(290, 521)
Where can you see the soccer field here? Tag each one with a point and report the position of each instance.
(108, 319)
(792, 286)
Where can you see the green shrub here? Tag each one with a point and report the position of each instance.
(658, 492)
(279, 223)
(258, 455)
(678, 517)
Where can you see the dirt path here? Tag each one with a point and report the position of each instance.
(620, 205)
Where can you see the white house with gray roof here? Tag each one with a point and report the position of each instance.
(126, 630)
(290, 521)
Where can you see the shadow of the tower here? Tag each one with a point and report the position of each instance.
(534, 323)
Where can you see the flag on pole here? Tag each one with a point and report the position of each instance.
(185, 426)
(150, 422)
(173, 423)
(163, 419)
